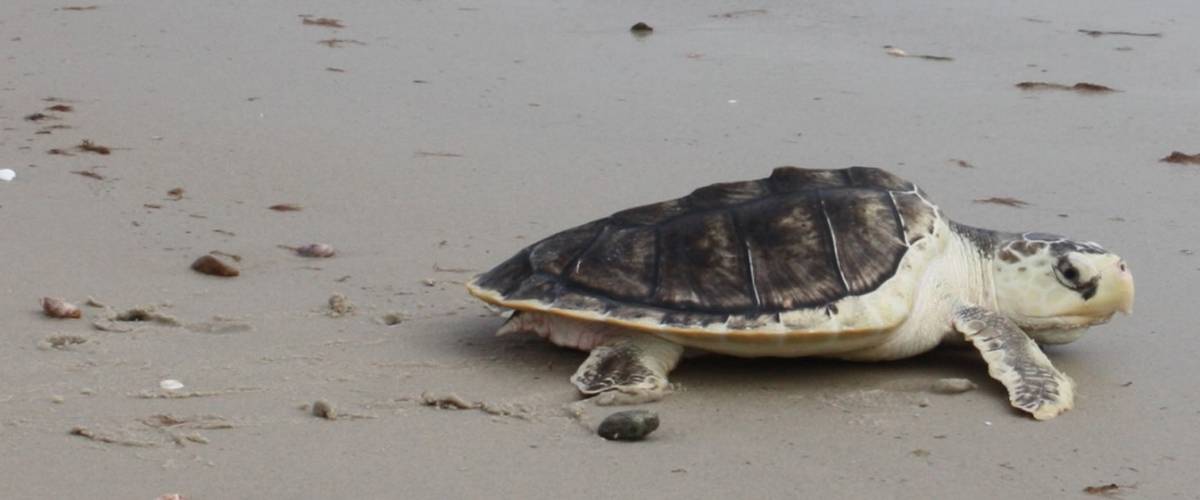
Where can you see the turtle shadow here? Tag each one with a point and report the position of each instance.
(477, 339)
(517, 354)
(801, 375)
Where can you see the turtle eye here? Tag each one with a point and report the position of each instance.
(1067, 274)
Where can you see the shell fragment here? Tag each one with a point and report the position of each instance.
(171, 385)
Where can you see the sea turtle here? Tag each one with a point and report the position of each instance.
(851, 263)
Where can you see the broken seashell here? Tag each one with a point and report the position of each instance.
(7, 174)
(57, 308)
(213, 266)
(339, 306)
(171, 385)
(316, 250)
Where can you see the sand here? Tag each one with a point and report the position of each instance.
(432, 136)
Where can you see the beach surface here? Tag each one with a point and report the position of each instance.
(427, 141)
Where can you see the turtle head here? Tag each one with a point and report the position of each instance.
(1055, 288)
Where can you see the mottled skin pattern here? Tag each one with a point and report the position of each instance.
(628, 369)
(615, 366)
(854, 263)
(1033, 384)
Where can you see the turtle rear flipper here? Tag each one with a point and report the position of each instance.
(1033, 384)
(628, 369)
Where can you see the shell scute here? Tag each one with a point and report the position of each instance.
(700, 265)
(619, 264)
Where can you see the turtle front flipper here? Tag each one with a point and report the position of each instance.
(628, 369)
(1033, 384)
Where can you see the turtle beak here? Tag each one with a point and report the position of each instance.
(1124, 288)
(1115, 292)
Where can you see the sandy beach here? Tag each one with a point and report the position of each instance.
(427, 141)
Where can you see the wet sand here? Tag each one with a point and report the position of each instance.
(424, 140)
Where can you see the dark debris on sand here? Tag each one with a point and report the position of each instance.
(1081, 87)
(1005, 201)
(1181, 158)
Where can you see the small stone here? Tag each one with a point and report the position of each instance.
(213, 266)
(641, 29)
(632, 425)
(392, 318)
(324, 409)
(952, 386)
(56, 399)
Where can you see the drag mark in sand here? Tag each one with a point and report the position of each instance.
(435, 154)
(898, 52)
(1081, 87)
(92, 174)
(961, 163)
(37, 117)
(335, 43)
(453, 401)
(327, 22)
(1099, 33)
(734, 14)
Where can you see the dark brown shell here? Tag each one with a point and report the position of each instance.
(800, 238)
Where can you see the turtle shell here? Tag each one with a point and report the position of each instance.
(803, 250)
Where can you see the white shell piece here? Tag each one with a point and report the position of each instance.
(7, 174)
(171, 384)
